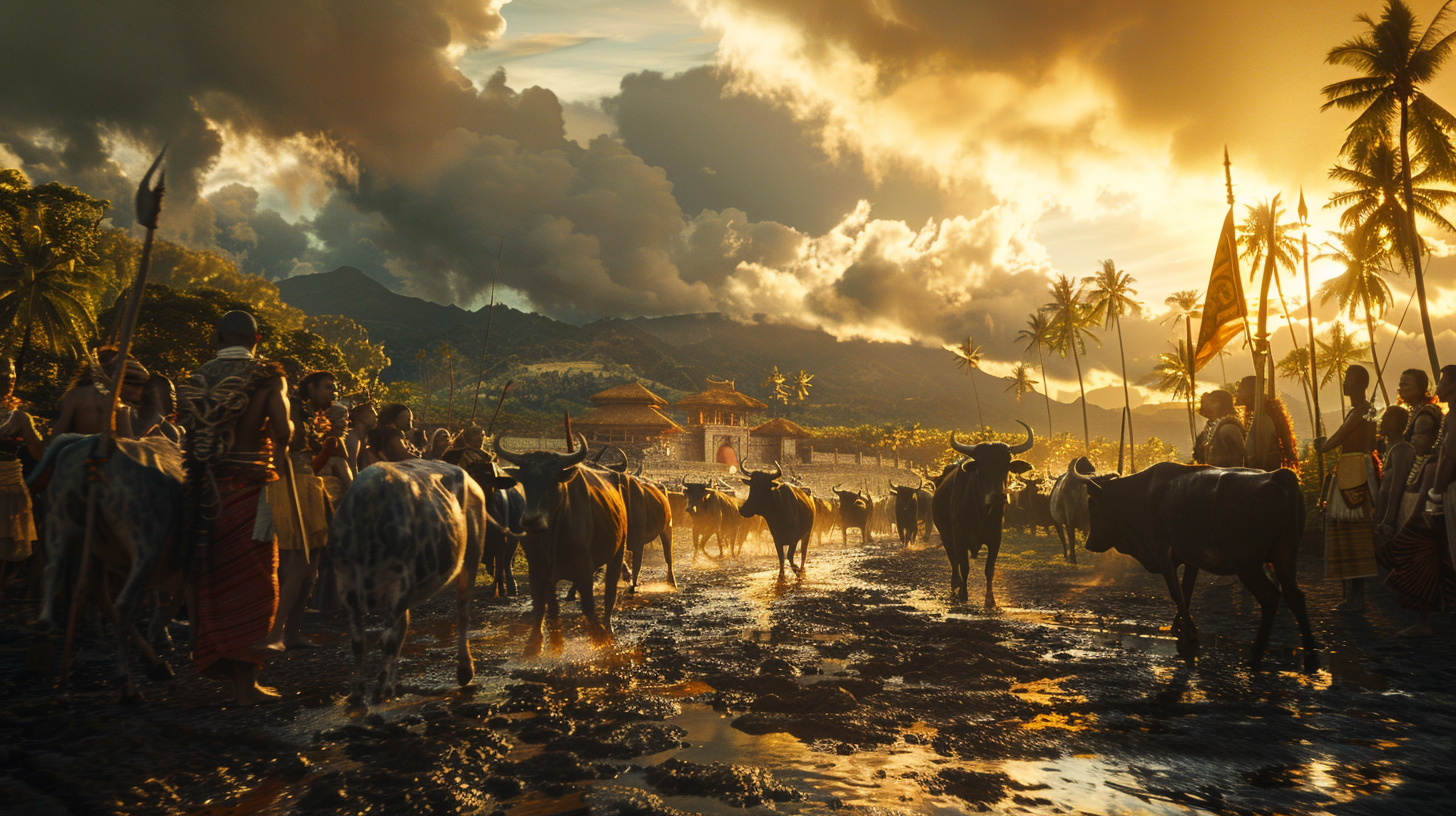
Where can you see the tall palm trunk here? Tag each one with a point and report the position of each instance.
(1295, 339)
(1374, 355)
(1127, 402)
(1045, 387)
(1412, 243)
(981, 418)
(25, 341)
(1086, 434)
(450, 409)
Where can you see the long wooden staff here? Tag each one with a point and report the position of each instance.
(498, 404)
(148, 208)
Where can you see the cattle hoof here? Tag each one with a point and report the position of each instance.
(160, 671)
(1311, 661)
(132, 697)
(533, 647)
(464, 674)
(355, 701)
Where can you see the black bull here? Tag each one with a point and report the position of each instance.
(968, 504)
(1227, 521)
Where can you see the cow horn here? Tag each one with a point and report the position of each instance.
(500, 450)
(964, 450)
(1030, 437)
(837, 486)
(778, 469)
(573, 459)
(1073, 474)
(598, 458)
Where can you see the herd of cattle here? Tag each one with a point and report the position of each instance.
(406, 530)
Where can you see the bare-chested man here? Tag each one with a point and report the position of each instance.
(1350, 502)
(236, 585)
(83, 407)
(298, 570)
(1222, 442)
(159, 410)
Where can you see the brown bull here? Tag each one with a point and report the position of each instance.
(788, 511)
(575, 522)
(714, 513)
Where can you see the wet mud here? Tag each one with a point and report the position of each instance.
(858, 689)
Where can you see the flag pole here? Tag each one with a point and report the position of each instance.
(1261, 344)
(1228, 185)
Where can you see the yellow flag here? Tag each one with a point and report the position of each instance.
(1224, 307)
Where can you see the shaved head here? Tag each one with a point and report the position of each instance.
(237, 329)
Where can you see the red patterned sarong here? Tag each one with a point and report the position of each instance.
(237, 589)
(1420, 566)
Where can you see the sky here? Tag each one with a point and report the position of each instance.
(897, 170)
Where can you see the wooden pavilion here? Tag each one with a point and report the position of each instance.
(626, 413)
(719, 404)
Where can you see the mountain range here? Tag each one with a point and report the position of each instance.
(855, 381)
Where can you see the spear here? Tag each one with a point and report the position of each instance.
(148, 208)
(498, 404)
(485, 347)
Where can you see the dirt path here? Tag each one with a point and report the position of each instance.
(855, 690)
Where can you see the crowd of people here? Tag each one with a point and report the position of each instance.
(1383, 501)
(253, 572)
(256, 543)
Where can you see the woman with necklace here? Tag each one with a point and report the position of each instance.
(1350, 501)
(17, 436)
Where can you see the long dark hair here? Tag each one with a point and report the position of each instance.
(388, 415)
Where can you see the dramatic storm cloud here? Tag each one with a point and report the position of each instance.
(896, 169)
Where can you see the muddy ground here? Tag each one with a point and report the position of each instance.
(858, 689)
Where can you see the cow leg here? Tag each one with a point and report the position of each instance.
(780, 548)
(157, 633)
(1071, 549)
(358, 639)
(542, 593)
(1267, 594)
(804, 555)
(391, 642)
(667, 556)
(129, 693)
(464, 663)
(991, 551)
(637, 564)
(1294, 596)
(1183, 625)
(609, 602)
(1062, 537)
(1190, 575)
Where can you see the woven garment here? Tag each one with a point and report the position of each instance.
(237, 587)
(1420, 566)
(17, 522)
(1349, 534)
(313, 503)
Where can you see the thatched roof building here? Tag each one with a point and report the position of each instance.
(626, 413)
(720, 404)
(781, 428)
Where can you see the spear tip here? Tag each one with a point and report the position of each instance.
(149, 198)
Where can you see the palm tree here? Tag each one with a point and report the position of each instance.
(1038, 335)
(1172, 374)
(1360, 285)
(1295, 365)
(1021, 381)
(968, 356)
(448, 355)
(1375, 195)
(48, 236)
(1254, 238)
(1071, 319)
(799, 387)
(1112, 296)
(1336, 356)
(422, 359)
(1185, 304)
(1394, 61)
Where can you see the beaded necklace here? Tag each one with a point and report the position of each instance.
(1420, 461)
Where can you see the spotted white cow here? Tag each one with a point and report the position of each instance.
(138, 518)
(403, 531)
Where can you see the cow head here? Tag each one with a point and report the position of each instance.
(697, 494)
(989, 463)
(490, 475)
(761, 485)
(857, 500)
(542, 474)
(1106, 525)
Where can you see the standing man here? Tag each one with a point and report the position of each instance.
(17, 436)
(1222, 442)
(235, 411)
(297, 569)
(1350, 502)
